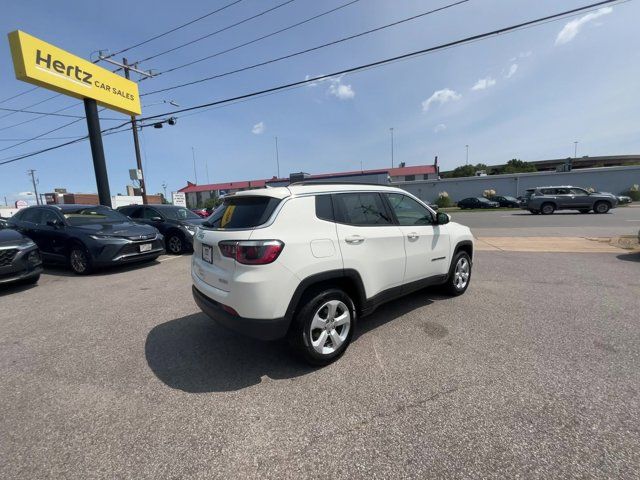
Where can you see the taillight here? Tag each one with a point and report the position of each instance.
(252, 252)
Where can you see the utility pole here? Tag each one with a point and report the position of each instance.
(467, 147)
(277, 158)
(206, 166)
(164, 187)
(35, 189)
(391, 130)
(193, 155)
(575, 149)
(136, 142)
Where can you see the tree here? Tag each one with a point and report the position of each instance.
(212, 203)
(517, 166)
(465, 170)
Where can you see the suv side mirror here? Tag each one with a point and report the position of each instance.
(442, 218)
(156, 219)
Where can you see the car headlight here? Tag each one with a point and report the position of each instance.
(191, 229)
(28, 244)
(100, 237)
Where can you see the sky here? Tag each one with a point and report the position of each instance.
(529, 94)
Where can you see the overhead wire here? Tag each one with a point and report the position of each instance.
(413, 54)
(211, 34)
(255, 40)
(307, 50)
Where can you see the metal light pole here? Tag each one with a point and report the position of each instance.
(164, 187)
(193, 155)
(467, 147)
(136, 142)
(575, 149)
(277, 157)
(391, 130)
(35, 189)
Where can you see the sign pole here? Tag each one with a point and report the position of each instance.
(136, 142)
(97, 151)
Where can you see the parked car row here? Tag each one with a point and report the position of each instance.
(86, 237)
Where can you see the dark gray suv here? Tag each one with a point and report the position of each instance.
(546, 200)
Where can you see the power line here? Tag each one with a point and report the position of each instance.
(231, 49)
(18, 95)
(228, 27)
(33, 104)
(385, 61)
(53, 114)
(307, 50)
(160, 35)
(300, 83)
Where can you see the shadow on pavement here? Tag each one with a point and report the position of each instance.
(64, 271)
(11, 288)
(196, 355)
(629, 257)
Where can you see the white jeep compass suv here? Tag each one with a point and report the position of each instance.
(305, 261)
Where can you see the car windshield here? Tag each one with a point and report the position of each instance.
(510, 198)
(90, 215)
(179, 213)
(482, 199)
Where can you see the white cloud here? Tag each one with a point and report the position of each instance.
(258, 128)
(441, 96)
(440, 128)
(336, 87)
(512, 70)
(340, 90)
(571, 29)
(484, 83)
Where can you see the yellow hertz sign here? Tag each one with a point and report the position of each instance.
(47, 66)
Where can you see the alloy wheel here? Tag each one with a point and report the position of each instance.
(78, 260)
(175, 244)
(461, 273)
(330, 327)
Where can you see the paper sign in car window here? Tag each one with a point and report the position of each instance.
(228, 213)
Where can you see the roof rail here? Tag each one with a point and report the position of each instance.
(312, 182)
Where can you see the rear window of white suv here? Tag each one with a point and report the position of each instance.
(242, 212)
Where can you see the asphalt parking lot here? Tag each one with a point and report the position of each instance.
(534, 372)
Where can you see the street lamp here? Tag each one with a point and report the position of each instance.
(391, 130)
(467, 147)
(575, 149)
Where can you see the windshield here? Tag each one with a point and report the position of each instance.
(510, 198)
(482, 199)
(179, 213)
(91, 215)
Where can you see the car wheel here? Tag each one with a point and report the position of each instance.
(601, 207)
(547, 208)
(323, 327)
(175, 244)
(585, 210)
(79, 260)
(459, 274)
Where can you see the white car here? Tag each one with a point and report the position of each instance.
(305, 261)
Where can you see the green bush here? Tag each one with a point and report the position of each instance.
(634, 193)
(443, 200)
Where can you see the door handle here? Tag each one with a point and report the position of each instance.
(412, 235)
(354, 239)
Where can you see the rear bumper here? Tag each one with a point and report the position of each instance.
(262, 329)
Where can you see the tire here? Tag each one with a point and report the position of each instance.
(547, 208)
(601, 207)
(79, 259)
(459, 275)
(175, 244)
(311, 337)
(585, 210)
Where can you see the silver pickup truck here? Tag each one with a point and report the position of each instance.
(546, 200)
